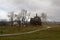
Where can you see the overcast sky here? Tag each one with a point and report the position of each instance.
(50, 7)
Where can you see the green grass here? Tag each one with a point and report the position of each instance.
(49, 34)
(15, 29)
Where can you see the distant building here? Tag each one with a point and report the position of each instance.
(36, 20)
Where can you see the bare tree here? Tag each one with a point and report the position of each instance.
(23, 16)
(11, 16)
(18, 19)
(44, 17)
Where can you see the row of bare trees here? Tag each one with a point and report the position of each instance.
(22, 15)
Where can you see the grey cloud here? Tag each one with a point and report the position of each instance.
(33, 5)
(56, 3)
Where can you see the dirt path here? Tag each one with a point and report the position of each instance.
(25, 32)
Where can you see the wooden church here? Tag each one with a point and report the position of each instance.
(36, 20)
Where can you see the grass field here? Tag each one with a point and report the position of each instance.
(16, 29)
(49, 34)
